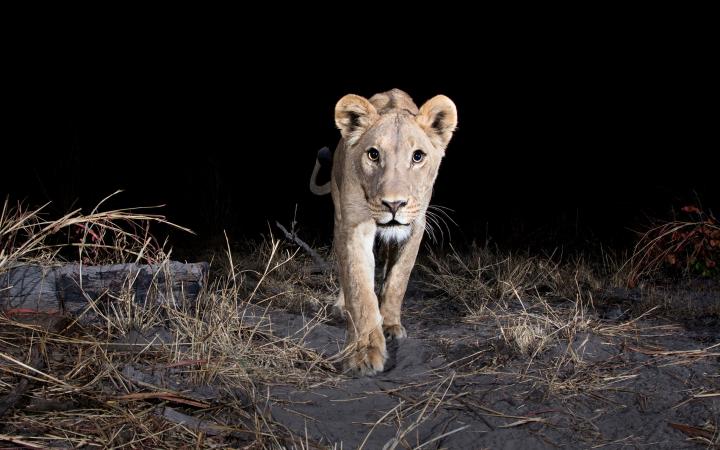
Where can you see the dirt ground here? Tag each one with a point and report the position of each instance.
(453, 384)
(505, 349)
(605, 370)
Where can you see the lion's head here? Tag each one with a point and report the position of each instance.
(395, 150)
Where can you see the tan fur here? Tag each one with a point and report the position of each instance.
(391, 123)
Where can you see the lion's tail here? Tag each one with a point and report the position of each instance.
(324, 159)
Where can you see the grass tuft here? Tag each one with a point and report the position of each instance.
(140, 372)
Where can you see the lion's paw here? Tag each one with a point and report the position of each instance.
(396, 331)
(368, 359)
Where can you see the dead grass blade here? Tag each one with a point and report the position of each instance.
(171, 397)
(693, 432)
(102, 364)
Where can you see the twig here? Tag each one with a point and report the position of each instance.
(20, 441)
(319, 260)
(169, 396)
(692, 431)
(193, 423)
(14, 396)
(444, 435)
(36, 364)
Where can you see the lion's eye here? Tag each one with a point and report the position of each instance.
(418, 156)
(373, 154)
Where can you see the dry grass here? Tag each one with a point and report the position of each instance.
(292, 282)
(142, 374)
(148, 374)
(99, 237)
(410, 413)
(683, 246)
(481, 276)
(545, 312)
(519, 293)
(543, 338)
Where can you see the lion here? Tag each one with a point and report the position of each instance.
(383, 172)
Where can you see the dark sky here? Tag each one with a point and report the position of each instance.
(550, 140)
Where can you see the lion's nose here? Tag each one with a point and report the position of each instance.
(394, 206)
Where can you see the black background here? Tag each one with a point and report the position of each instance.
(558, 142)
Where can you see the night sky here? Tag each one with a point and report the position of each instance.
(553, 144)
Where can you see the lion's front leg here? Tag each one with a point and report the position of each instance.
(396, 279)
(365, 345)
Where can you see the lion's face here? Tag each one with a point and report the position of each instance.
(396, 155)
(398, 165)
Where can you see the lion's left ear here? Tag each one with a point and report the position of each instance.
(438, 117)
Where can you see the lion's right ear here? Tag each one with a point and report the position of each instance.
(354, 115)
(438, 116)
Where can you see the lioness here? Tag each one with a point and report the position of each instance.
(383, 172)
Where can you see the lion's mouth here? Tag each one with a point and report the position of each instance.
(394, 231)
(392, 223)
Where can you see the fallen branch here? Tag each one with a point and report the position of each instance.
(67, 288)
(319, 260)
(193, 423)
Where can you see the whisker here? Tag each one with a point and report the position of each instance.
(430, 232)
(440, 222)
(430, 229)
(441, 207)
(431, 218)
(439, 213)
(443, 210)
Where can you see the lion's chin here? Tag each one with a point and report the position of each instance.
(393, 233)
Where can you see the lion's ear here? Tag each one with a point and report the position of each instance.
(438, 117)
(354, 115)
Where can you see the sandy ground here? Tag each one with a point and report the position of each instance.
(609, 376)
(453, 384)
